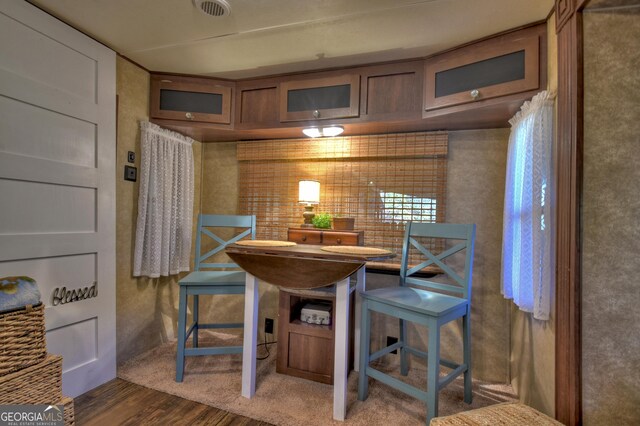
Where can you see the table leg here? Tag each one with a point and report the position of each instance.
(341, 354)
(360, 286)
(250, 336)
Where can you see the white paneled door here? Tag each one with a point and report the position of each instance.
(57, 184)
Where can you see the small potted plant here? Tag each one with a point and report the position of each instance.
(322, 221)
(341, 223)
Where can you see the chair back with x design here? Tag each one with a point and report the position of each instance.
(461, 285)
(211, 226)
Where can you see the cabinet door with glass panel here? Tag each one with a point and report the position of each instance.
(320, 98)
(496, 67)
(190, 99)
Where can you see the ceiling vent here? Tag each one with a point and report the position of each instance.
(216, 8)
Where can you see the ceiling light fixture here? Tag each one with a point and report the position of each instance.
(329, 131)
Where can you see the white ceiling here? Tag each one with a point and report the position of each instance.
(264, 37)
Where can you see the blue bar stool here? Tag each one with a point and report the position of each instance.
(217, 279)
(427, 303)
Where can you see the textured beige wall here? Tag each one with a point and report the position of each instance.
(611, 207)
(220, 196)
(533, 341)
(146, 309)
(475, 194)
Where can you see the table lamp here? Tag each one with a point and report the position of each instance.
(308, 194)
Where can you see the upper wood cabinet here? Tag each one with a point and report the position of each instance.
(256, 103)
(321, 98)
(492, 68)
(476, 86)
(190, 99)
(392, 91)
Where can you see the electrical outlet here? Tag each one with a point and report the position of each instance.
(268, 325)
(390, 341)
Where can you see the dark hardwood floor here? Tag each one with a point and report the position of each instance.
(119, 402)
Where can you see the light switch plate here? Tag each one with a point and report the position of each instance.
(131, 157)
(130, 173)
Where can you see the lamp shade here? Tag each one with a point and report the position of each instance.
(309, 191)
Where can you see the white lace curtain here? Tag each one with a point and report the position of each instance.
(527, 270)
(165, 203)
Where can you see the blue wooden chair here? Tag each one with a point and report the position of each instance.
(217, 279)
(423, 302)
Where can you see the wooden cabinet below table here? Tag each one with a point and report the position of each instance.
(306, 350)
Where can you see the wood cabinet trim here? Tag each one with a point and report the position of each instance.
(568, 171)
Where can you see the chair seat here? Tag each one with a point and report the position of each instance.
(212, 278)
(414, 299)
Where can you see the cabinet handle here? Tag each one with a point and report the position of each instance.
(339, 241)
(304, 238)
(189, 115)
(475, 93)
(316, 114)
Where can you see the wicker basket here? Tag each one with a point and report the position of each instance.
(23, 338)
(40, 383)
(69, 415)
(505, 414)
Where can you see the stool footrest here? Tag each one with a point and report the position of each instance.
(227, 325)
(213, 351)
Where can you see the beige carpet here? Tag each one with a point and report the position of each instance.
(286, 400)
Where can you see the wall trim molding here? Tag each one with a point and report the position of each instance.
(569, 155)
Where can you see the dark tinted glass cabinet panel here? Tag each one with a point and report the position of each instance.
(489, 69)
(176, 100)
(498, 70)
(318, 99)
(181, 98)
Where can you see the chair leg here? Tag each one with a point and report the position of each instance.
(466, 342)
(196, 305)
(365, 347)
(404, 362)
(182, 325)
(433, 370)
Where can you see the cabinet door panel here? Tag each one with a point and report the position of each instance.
(498, 70)
(489, 69)
(258, 105)
(311, 354)
(190, 99)
(393, 93)
(319, 99)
